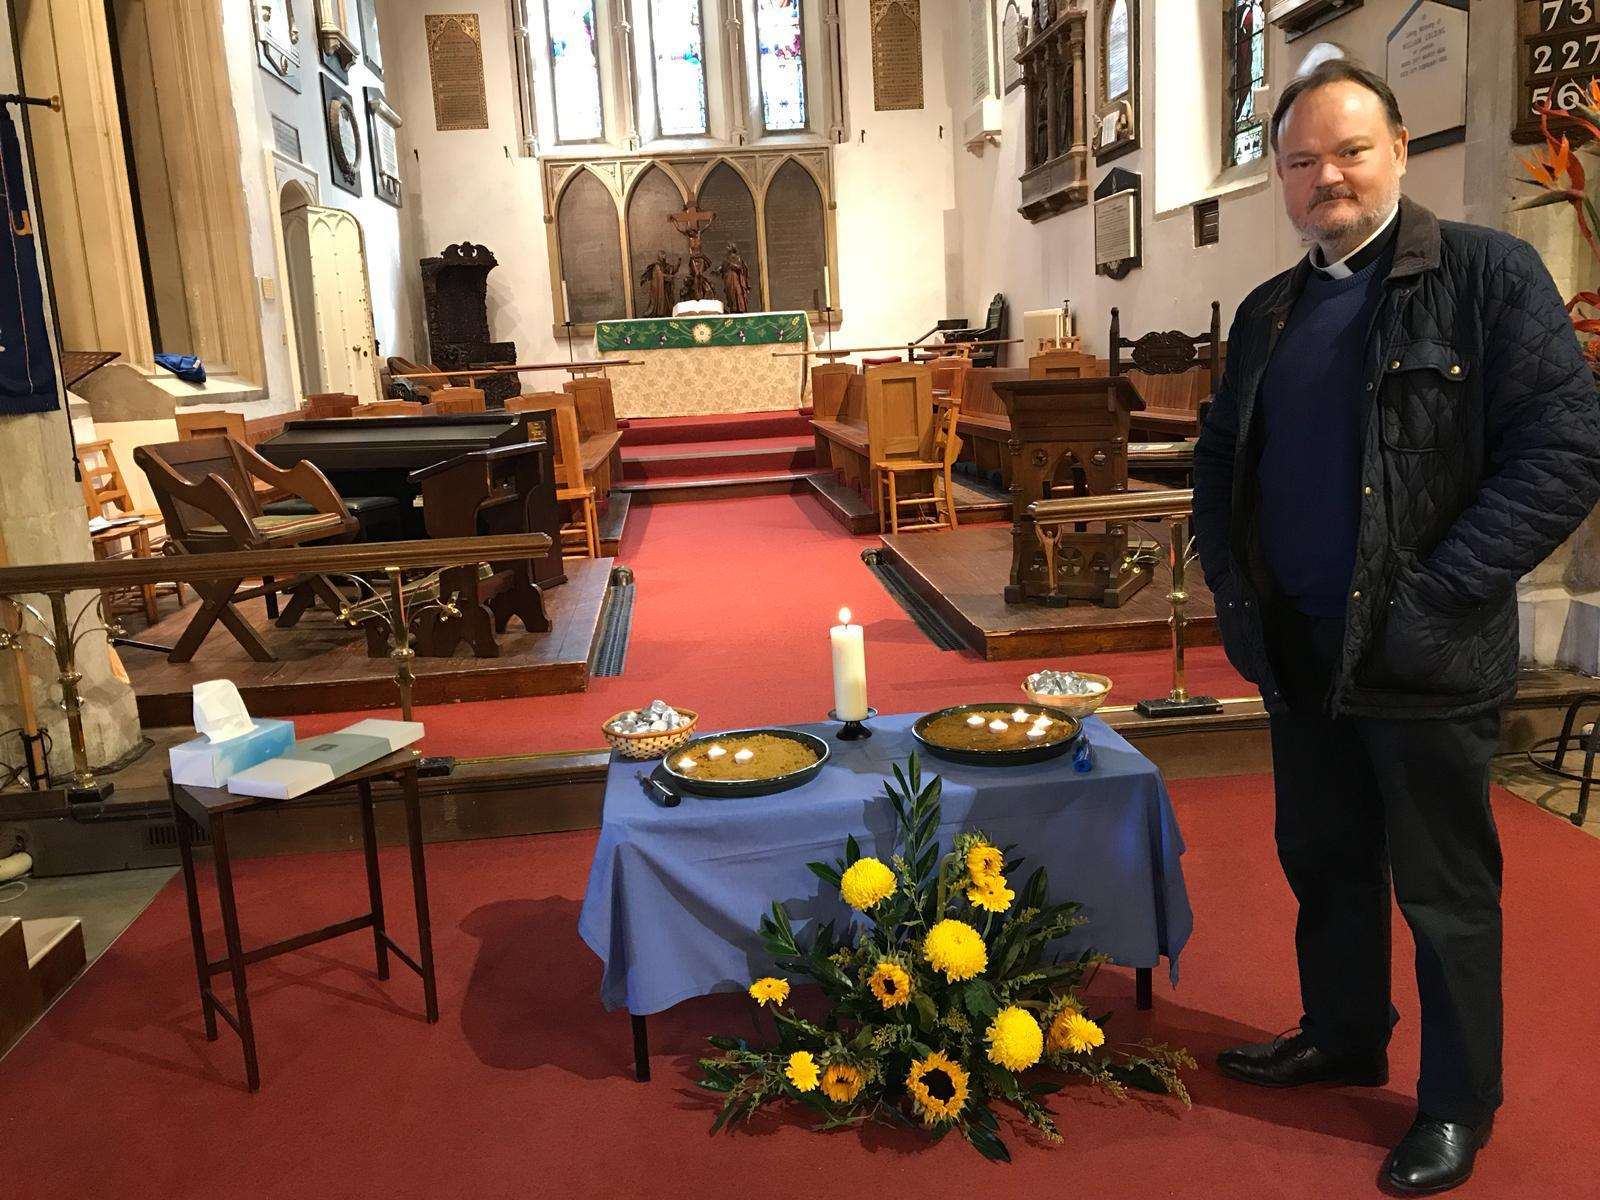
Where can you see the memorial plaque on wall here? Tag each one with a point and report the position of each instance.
(591, 254)
(655, 198)
(455, 65)
(896, 54)
(1011, 34)
(724, 192)
(796, 239)
(1558, 56)
(383, 128)
(1116, 224)
(1425, 62)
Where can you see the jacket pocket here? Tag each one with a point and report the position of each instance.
(1422, 650)
(1422, 395)
(1235, 624)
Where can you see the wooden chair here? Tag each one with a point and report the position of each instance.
(993, 328)
(582, 531)
(1176, 374)
(203, 488)
(900, 421)
(457, 400)
(942, 446)
(950, 376)
(105, 496)
(330, 404)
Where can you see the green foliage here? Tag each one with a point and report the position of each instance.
(887, 1037)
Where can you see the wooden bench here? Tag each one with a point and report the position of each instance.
(1175, 373)
(885, 413)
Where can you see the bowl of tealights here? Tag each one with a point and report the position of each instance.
(651, 731)
(1077, 693)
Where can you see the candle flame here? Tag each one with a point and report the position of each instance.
(844, 616)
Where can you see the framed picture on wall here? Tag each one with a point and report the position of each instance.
(278, 41)
(344, 137)
(1116, 79)
(371, 48)
(383, 129)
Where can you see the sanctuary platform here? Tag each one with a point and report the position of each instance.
(323, 666)
(962, 573)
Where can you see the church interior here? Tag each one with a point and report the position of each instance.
(547, 392)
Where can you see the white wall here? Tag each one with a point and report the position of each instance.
(894, 184)
(1040, 265)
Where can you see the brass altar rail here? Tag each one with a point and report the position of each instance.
(898, 346)
(1176, 507)
(55, 581)
(511, 368)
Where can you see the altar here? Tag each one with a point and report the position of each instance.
(694, 365)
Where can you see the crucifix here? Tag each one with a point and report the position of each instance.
(692, 222)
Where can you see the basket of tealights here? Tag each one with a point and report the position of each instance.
(1076, 692)
(651, 731)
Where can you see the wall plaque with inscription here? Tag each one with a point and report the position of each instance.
(896, 54)
(797, 239)
(1558, 56)
(1117, 239)
(455, 64)
(1425, 62)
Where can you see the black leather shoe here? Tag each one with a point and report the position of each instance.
(1434, 1156)
(1293, 1061)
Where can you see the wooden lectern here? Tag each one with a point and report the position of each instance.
(1069, 437)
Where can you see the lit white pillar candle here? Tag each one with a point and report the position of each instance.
(849, 669)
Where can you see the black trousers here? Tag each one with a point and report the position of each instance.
(1360, 802)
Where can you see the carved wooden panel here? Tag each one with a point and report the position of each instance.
(725, 193)
(796, 239)
(591, 254)
(654, 199)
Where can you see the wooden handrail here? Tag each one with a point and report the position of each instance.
(479, 372)
(820, 352)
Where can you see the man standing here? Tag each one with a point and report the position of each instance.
(1405, 427)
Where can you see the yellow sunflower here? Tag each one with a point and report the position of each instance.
(984, 860)
(769, 991)
(1074, 1032)
(938, 1087)
(991, 894)
(841, 1082)
(1015, 1039)
(802, 1071)
(890, 983)
(865, 883)
(955, 948)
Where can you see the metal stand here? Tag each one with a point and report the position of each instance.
(1586, 739)
(1178, 702)
(853, 731)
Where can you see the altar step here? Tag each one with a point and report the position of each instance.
(716, 458)
(727, 485)
(717, 427)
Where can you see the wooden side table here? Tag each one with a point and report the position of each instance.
(210, 808)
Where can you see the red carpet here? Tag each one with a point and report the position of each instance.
(735, 598)
(523, 1090)
(655, 431)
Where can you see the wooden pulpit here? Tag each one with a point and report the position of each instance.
(1069, 437)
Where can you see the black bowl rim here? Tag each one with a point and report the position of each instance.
(998, 758)
(775, 783)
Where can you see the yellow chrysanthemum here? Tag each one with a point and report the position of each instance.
(802, 1071)
(1074, 1032)
(991, 894)
(938, 1087)
(984, 861)
(769, 991)
(890, 984)
(955, 948)
(841, 1082)
(1015, 1039)
(866, 882)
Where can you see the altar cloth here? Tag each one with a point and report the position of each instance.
(675, 895)
(700, 365)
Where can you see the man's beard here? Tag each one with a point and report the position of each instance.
(1348, 231)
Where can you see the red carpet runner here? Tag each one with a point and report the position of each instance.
(734, 602)
(523, 1088)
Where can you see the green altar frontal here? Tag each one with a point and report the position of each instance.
(699, 365)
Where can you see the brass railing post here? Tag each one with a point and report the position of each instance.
(400, 640)
(1177, 555)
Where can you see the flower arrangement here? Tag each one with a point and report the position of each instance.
(939, 999)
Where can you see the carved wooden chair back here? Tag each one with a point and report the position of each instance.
(950, 375)
(1170, 353)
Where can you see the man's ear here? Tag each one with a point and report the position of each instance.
(1402, 150)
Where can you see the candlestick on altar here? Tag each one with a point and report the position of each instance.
(566, 314)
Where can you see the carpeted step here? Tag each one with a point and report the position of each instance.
(716, 458)
(731, 485)
(717, 427)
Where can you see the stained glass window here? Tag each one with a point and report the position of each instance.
(1118, 62)
(1245, 68)
(680, 62)
(782, 65)
(575, 70)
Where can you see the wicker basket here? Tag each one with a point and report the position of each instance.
(650, 745)
(1078, 706)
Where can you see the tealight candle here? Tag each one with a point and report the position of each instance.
(1037, 732)
(715, 751)
(686, 763)
(849, 669)
(975, 720)
(744, 756)
(1019, 715)
(1041, 722)
(997, 726)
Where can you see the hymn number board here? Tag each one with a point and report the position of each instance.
(1558, 55)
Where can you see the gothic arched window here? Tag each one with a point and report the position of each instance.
(678, 55)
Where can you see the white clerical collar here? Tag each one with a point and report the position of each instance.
(1342, 269)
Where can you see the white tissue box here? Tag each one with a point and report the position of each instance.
(313, 762)
(201, 762)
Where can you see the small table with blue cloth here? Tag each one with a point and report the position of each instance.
(676, 894)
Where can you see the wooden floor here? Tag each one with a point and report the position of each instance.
(323, 666)
(963, 573)
(849, 507)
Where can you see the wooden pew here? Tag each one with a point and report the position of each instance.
(984, 427)
(252, 431)
(828, 384)
(886, 413)
(1175, 373)
(599, 432)
(841, 439)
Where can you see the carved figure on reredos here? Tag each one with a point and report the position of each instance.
(1069, 437)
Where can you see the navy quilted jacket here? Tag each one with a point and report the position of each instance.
(1481, 454)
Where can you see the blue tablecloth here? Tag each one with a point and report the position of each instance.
(675, 894)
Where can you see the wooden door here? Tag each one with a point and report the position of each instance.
(332, 302)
